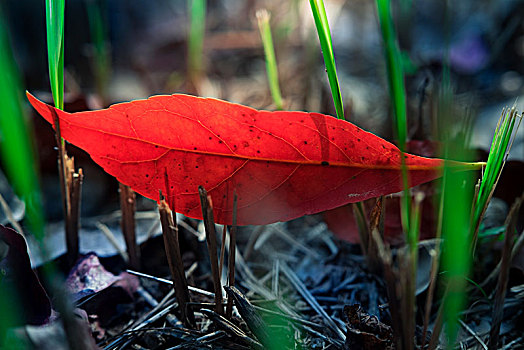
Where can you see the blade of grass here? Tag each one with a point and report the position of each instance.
(456, 257)
(324, 35)
(54, 15)
(97, 20)
(197, 27)
(395, 72)
(16, 148)
(410, 216)
(500, 146)
(397, 91)
(263, 18)
(454, 216)
(55, 48)
(458, 192)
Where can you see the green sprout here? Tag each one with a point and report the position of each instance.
(324, 35)
(197, 27)
(496, 159)
(395, 72)
(54, 15)
(101, 55)
(397, 91)
(263, 18)
(456, 257)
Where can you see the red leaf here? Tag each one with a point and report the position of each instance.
(282, 164)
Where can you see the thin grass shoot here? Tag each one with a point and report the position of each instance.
(263, 18)
(324, 36)
(197, 27)
(397, 91)
(54, 13)
(505, 131)
(101, 61)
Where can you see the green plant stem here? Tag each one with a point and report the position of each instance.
(395, 72)
(456, 228)
(397, 90)
(496, 159)
(324, 35)
(55, 48)
(98, 31)
(263, 18)
(197, 26)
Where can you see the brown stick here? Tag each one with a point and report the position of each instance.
(61, 163)
(209, 224)
(434, 269)
(437, 328)
(502, 283)
(376, 222)
(407, 297)
(127, 223)
(391, 278)
(66, 173)
(232, 252)
(174, 259)
(222, 251)
(73, 221)
(72, 252)
(362, 225)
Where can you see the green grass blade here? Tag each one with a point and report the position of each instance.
(395, 72)
(54, 16)
(324, 35)
(397, 91)
(197, 26)
(506, 128)
(456, 257)
(263, 18)
(16, 148)
(456, 206)
(99, 37)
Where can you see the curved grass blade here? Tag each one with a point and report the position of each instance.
(263, 18)
(395, 72)
(101, 60)
(324, 35)
(500, 146)
(397, 92)
(197, 26)
(54, 13)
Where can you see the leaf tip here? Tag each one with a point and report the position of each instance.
(42, 108)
